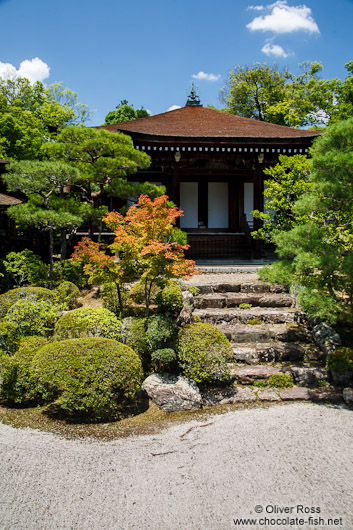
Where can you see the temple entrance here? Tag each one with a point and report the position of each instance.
(205, 205)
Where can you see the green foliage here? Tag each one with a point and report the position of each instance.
(133, 334)
(137, 293)
(8, 299)
(25, 267)
(280, 381)
(125, 112)
(170, 299)
(245, 306)
(194, 290)
(204, 352)
(161, 332)
(289, 181)
(109, 295)
(164, 360)
(33, 316)
(340, 360)
(260, 383)
(17, 384)
(67, 294)
(279, 272)
(71, 271)
(254, 321)
(87, 375)
(88, 322)
(9, 337)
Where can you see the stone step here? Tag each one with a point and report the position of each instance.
(221, 300)
(302, 375)
(253, 316)
(243, 333)
(244, 287)
(276, 352)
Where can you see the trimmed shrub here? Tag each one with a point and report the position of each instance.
(33, 316)
(17, 384)
(204, 352)
(161, 332)
(193, 290)
(89, 375)
(137, 293)
(164, 360)
(280, 381)
(9, 336)
(11, 297)
(25, 267)
(340, 360)
(67, 294)
(133, 334)
(88, 322)
(170, 299)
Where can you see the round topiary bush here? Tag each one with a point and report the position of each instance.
(88, 322)
(161, 332)
(33, 316)
(11, 297)
(67, 294)
(9, 336)
(88, 375)
(170, 299)
(17, 384)
(164, 360)
(204, 352)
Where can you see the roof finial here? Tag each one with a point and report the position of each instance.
(193, 99)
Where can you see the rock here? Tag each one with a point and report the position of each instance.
(308, 375)
(279, 352)
(327, 393)
(188, 298)
(185, 316)
(267, 395)
(209, 300)
(341, 378)
(326, 337)
(229, 396)
(172, 393)
(348, 396)
(296, 393)
(249, 374)
(247, 354)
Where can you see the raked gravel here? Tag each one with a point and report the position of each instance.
(197, 475)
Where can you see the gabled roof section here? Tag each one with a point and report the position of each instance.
(7, 200)
(201, 122)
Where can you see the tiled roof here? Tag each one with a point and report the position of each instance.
(7, 200)
(203, 122)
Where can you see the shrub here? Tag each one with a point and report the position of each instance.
(25, 267)
(254, 321)
(279, 272)
(71, 271)
(204, 352)
(161, 332)
(11, 297)
(33, 316)
(109, 294)
(194, 290)
(89, 375)
(137, 293)
(260, 383)
(280, 381)
(17, 384)
(67, 294)
(170, 299)
(164, 360)
(133, 334)
(340, 360)
(245, 306)
(9, 336)
(88, 322)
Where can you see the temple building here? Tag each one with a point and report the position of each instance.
(212, 166)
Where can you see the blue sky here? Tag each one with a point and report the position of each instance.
(148, 52)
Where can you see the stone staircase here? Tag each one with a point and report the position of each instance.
(268, 336)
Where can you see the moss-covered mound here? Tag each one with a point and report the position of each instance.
(88, 322)
(11, 297)
(204, 352)
(89, 375)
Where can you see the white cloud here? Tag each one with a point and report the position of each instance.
(174, 107)
(256, 8)
(285, 19)
(34, 70)
(202, 76)
(274, 49)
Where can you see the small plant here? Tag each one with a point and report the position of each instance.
(260, 383)
(280, 381)
(245, 306)
(195, 291)
(340, 360)
(161, 332)
(88, 322)
(71, 271)
(254, 321)
(204, 352)
(170, 299)
(320, 383)
(110, 296)
(33, 317)
(137, 294)
(87, 375)
(25, 267)
(133, 334)
(67, 294)
(164, 360)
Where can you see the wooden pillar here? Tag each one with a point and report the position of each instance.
(258, 205)
(175, 190)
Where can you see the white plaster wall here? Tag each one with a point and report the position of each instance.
(189, 204)
(248, 200)
(217, 205)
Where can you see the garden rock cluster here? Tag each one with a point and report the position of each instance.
(172, 393)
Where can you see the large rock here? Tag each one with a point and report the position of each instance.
(326, 394)
(295, 393)
(229, 396)
(172, 393)
(348, 396)
(267, 395)
(308, 375)
(326, 337)
(248, 374)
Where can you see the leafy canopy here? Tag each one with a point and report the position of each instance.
(125, 112)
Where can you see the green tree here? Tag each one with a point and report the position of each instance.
(318, 253)
(30, 113)
(288, 181)
(125, 112)
(104, 159)
(41, 182)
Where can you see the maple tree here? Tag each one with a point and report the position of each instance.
(146, 247)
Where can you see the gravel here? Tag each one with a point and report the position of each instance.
(197, 475)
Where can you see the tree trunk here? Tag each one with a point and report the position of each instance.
(51, 255)
(63, 245)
